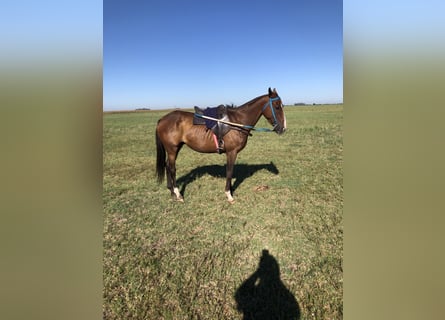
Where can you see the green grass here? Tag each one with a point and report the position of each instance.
(170, 260)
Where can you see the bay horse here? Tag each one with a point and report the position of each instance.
(176, 129)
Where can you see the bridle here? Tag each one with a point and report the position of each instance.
(275, 121)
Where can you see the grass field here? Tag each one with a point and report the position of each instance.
(204, 259)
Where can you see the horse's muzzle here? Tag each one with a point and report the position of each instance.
(279, 129)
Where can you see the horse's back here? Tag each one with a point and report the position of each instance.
(172, 127)
(175, 120)
(176, 117)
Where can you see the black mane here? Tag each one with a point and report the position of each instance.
(233, 106)
(254, 100)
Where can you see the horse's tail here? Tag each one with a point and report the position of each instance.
(160, 159)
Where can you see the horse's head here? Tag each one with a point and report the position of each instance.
(274, 113)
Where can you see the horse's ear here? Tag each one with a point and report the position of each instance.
(274, 90)
(270, 92)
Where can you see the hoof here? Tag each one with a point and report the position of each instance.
(229, 197)
(177, 196)
(177, 199)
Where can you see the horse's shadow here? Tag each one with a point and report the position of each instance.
(241, 172)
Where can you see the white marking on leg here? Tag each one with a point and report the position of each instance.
(178, 194)
(229, 197)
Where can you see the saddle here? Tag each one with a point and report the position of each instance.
(218, 128)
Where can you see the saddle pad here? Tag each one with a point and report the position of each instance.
(198, 120)
(213, 113)
(216, 112)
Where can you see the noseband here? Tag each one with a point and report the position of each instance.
(275, 121)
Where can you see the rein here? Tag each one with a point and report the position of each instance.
(242, 126)
(247, 127)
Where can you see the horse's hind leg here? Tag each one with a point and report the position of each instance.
(231, 158)
(171, 174)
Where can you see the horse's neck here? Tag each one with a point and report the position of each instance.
(249, 113)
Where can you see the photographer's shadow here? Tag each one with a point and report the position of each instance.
(264, 296)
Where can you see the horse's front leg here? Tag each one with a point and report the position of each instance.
(231, 158)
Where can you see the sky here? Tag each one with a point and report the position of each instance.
(177, 54)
